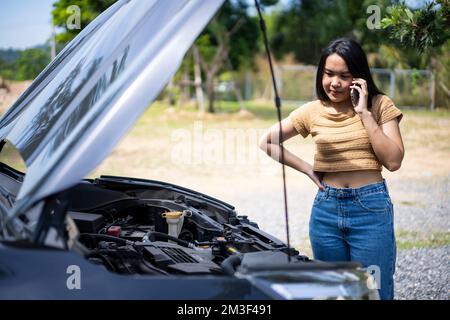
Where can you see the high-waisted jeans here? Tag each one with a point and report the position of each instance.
(356, 224)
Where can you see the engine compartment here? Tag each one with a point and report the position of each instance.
(162, 229)
(132, 226)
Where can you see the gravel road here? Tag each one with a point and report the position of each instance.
(423, 274)
(421, 208)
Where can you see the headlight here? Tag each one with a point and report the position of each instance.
(291, 291)
(319, 284)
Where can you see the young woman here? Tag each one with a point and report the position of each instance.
(352, 215)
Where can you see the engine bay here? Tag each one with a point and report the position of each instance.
(131, 226)
(164, 229)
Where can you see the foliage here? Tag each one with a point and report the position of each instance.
(409, 38)
(426, 31)
(307, 26)
(27, 66)
(425, 28)
(229, 42)
(31, 63)
(232, 24)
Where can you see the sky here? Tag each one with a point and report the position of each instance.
(27, 23)
(24, 23)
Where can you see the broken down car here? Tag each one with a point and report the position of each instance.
(66, 237)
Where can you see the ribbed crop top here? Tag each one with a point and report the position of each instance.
(342, 142)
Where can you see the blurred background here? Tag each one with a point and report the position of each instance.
(406, 43)
(202, 131)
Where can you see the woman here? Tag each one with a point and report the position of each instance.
(352, 214)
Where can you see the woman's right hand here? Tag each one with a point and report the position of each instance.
(270, 144)
(315, 177)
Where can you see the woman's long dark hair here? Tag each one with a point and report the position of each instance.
(356, 60)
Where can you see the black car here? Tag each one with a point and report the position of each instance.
(65, 237)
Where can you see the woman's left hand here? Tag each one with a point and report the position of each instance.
(363, 92)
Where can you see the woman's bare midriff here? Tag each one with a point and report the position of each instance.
(352, 179)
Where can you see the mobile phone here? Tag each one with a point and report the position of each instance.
(354, 96)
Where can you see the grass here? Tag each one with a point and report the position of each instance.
(405, 240)
(412, 204)
(261, 110)
(438, 113)
(414, 239)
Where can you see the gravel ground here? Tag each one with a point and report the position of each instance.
(421, 208)
(422, 204)
(420, 192)
(423, 274)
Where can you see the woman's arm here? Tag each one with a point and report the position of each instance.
(270, 144)
(386, 141)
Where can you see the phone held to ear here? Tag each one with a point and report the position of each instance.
(354, 95)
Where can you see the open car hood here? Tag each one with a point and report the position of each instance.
(91, 94)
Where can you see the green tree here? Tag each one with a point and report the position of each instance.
(427, 31)
(4, 74)
(232, 38)
(27, 66)
(30, 63)
(7, 58)
(421, 29)
(306, 27)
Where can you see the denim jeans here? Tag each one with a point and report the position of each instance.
(356, 224)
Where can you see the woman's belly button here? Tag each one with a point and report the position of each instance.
(351, 179)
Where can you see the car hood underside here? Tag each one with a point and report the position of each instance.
(97, 87)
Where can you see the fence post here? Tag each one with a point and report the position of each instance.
(279, 80)
(392, 84)
(248, 86)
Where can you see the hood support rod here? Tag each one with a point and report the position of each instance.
(278, 107)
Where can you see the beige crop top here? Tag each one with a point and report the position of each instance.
(342, 143)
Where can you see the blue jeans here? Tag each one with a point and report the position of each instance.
(356, 224)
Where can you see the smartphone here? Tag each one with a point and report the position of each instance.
(354, 96)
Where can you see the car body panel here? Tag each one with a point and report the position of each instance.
(22, 273)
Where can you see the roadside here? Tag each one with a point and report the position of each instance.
(218, 155)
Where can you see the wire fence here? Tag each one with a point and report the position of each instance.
(408, 88)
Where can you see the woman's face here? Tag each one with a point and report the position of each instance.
(336, 79)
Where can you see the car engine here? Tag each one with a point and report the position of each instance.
(164, 229)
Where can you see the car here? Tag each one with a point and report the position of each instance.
(63, 236)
